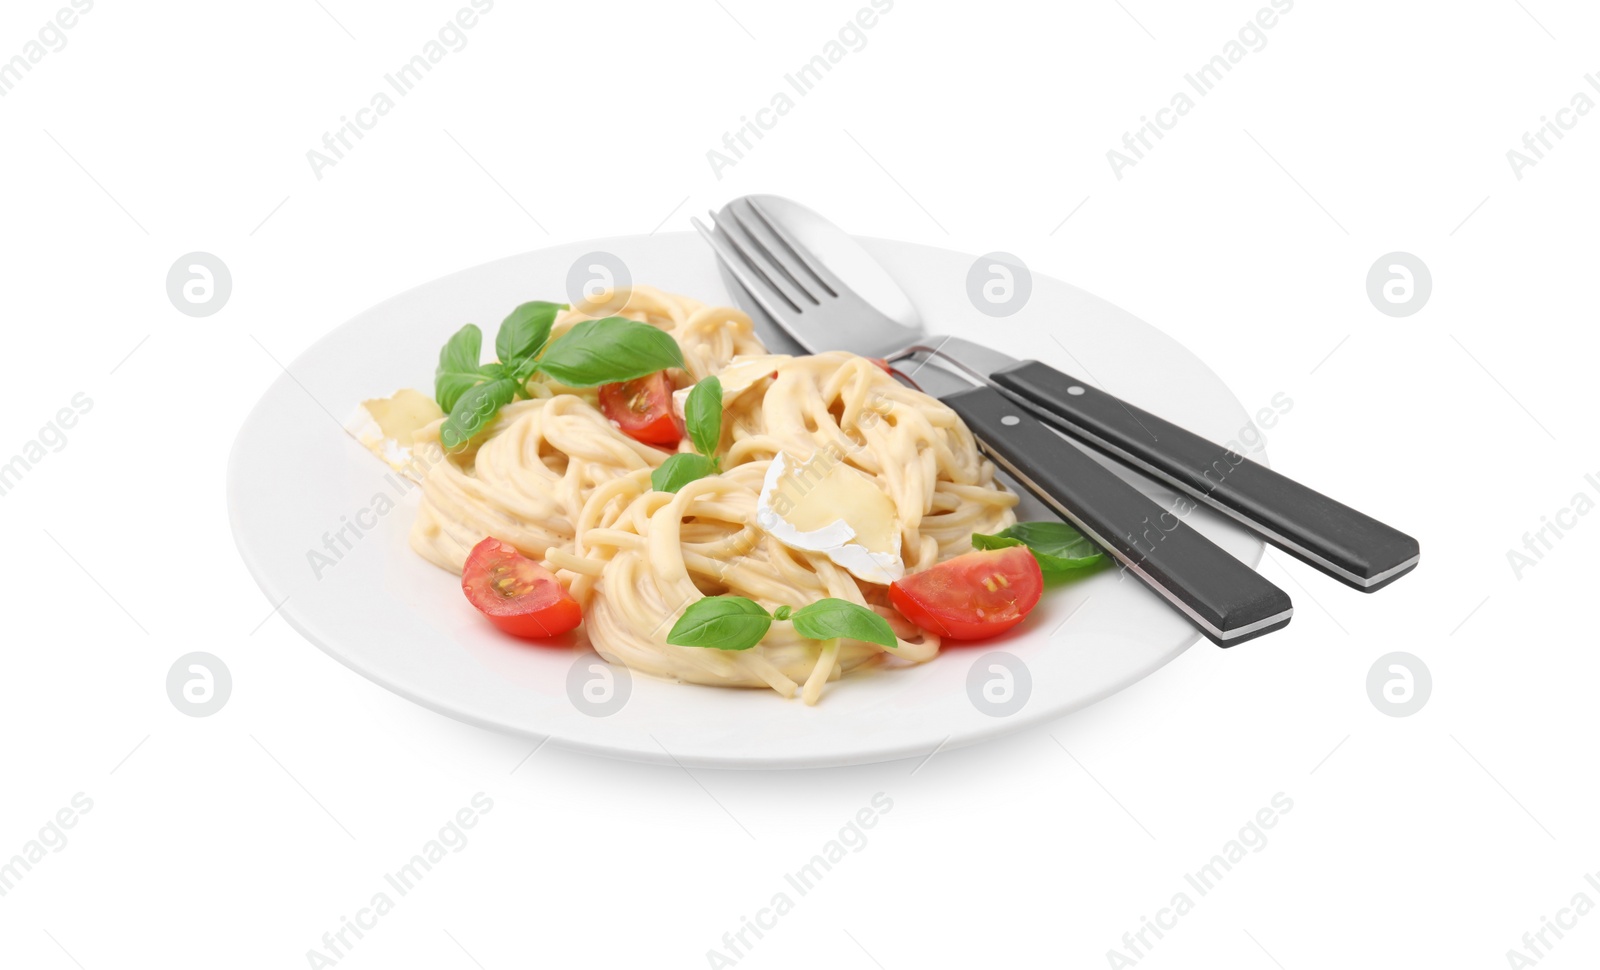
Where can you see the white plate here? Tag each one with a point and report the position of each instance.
(294, 478)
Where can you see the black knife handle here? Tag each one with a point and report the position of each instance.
(1228, 601)
(1342, 542)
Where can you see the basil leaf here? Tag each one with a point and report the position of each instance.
(829, 618)
(721, 623)
(1055, 538)
(782, 612)
(607, 351)
(524, 332)
(983, 542)
(1058, 546)
(458, 370)
(475, 409)
(702, 415)
(680, 470)
(523, 369)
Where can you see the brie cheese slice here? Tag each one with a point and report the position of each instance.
(739, 376)
(386, 425)
(824, 505)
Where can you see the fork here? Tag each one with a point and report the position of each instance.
(1223, 598)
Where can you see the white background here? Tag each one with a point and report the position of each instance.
(1362, 128)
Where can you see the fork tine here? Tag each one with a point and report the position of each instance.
(759, 259)
(777, 252)
(771, 299)
(797, 249)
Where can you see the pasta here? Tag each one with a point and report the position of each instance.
(554, 478)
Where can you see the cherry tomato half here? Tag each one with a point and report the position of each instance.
(642, 408)
(973, 596)
(517, 594)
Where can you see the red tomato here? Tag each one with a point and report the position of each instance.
(642, 408)
(517, 594)
(973, 596)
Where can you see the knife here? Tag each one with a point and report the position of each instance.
(1342, 542)
(1226, 600)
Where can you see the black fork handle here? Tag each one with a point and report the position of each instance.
(1226, 600)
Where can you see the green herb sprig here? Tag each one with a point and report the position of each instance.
(593, 352)
(702, 418)
(739, 623)
(1057, 546)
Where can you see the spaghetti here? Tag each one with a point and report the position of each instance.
(557, 480)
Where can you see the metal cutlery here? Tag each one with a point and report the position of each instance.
(1343, 542)
(1226, 600)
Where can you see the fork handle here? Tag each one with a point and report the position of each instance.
(1228, 601)
(1335, 538)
